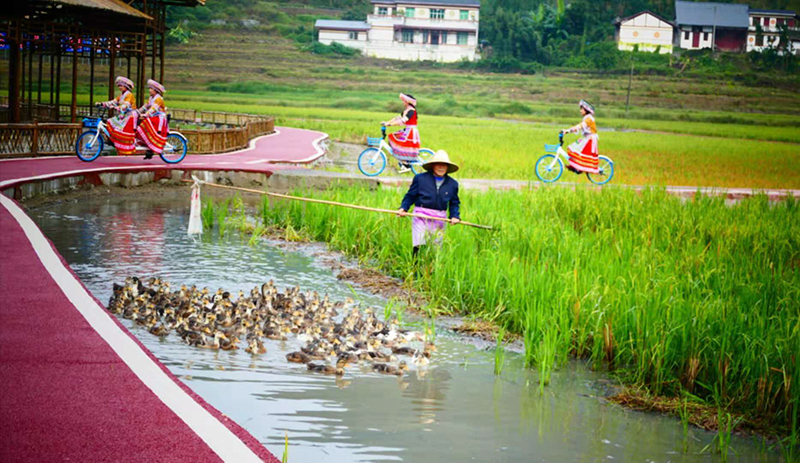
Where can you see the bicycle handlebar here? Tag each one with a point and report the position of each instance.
(383, 132)
(561, 138)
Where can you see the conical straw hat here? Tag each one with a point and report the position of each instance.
(440, 157)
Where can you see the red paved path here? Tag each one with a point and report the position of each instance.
(76, 385)
(286, 145)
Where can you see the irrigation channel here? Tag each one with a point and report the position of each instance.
(455, 409)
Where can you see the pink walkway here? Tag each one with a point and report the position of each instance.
(286, 145)
(76, 384)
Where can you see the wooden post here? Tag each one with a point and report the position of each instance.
(39, 90)
(30, 78)
(92, 50)
(35, 140)
(628, 98)
(74, 104)
(112, 66)
(58, 83)
(163, 48)
(14, 75)
(51, 83)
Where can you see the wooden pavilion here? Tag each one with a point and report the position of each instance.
(122, 37)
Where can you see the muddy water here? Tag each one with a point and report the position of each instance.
(453, 410)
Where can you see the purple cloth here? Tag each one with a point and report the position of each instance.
(424, 229)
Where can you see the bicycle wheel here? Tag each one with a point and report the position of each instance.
(174, 149)
(87, 147)
(371, 162)
(549, 168)
(424, 155)
(606, 168)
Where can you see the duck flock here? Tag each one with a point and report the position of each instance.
(333, 335)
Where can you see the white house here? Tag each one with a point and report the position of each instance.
(720, 26)
(771, 23)
(435, 30)
(646, 31)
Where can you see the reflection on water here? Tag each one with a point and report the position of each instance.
(453, 410)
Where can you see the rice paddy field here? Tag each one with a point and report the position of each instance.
(693, 130)
(695, 300)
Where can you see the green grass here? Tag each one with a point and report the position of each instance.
(675, 296)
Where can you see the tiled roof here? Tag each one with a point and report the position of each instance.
(341, 25)
(711, 14)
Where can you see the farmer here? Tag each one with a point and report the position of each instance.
(432, 193)
(122, 128)
(405, 143)
(583, 153)
(153, 129)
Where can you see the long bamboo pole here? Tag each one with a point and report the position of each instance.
(334, 203)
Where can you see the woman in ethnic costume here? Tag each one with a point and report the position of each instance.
(432, 194)
(405, 143)
(153, 129)
(122, 128)
(583, 153)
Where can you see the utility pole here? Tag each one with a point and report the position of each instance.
(714, 32)
(630, 80)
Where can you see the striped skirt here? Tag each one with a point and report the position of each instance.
(122, 130)
(423, 230)
(583, 154)
(405, 143)
(153, 132)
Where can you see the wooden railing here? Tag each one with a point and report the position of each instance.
(52, 138)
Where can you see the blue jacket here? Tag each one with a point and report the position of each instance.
(422, 193)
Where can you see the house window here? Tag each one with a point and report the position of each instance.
(765, 22)
(424, 36)
(444, 37)
(353, 35)
(437, 13)
(382, 10)
(760, 41)
(409, 12)
(408, 35)
(464, 15)
(705, 36)
(461, 38)
(686, 35)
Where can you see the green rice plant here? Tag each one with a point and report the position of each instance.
(499, 352)
(222, 212)
(387, 310)
(430, 327)
(683, 412)
(285, 456)
(258, 233)
(207, 213)
(673, 295)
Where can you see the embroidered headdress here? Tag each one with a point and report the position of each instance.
(124, 81)
(409, 99)
(156, 86)
(585, 105)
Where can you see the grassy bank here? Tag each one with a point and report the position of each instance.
(681, 298)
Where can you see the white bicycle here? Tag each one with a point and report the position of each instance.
(550, 167)
(372, 161)
(90, 143)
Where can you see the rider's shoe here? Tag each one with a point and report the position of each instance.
(149, 155)
(403, 170)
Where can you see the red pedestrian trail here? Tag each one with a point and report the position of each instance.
(76, 385)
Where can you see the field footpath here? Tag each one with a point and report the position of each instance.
(320, 179)
(77, 384)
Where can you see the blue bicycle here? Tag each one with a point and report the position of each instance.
(90, 143)
(372, 161)
(550, 167)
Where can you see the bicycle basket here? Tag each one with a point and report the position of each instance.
(551, 148)
(372, 141)
(91, 122)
